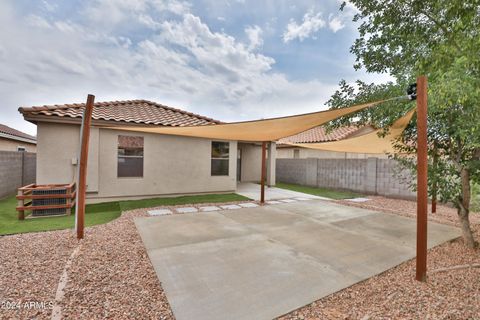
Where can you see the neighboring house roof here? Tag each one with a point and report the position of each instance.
(130, 111)
(319, 134)
(14, 134)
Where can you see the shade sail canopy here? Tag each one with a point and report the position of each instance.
(367, 143)
(259, 130)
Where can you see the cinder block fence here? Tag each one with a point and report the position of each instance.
(16, 169)
(368, 176)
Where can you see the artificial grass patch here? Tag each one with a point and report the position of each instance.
(95, 214)
(321, 192)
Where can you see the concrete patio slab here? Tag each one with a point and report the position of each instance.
(249, 277)
(263, 262)
(182, 229)
(252, 191)
(288, 200)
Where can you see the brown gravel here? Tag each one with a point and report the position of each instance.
(395, 294)
(112, 277)
(31, 265)
(445, 214)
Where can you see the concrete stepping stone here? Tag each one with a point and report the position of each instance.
(358, 200)
(230, 207)
(303, 199)
(186, 210)
(288, 200)
(273, 202)
(159, 212)
(209, 208)
(248, 205)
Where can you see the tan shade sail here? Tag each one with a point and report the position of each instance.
(367, 143)
(259, 130)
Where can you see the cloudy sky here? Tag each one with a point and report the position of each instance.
(227, 59)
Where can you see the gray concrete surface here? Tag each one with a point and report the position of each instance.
(252, 191)
(260, 263)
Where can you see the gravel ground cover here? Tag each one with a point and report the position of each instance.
(445, 214)
(31, 265)
(111, 277)
(395, 294)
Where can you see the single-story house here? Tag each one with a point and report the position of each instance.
(14, 140)
(318, 135)
(133, 165)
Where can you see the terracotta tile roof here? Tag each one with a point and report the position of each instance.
(132, 111)
(15, 133)
(319, 134)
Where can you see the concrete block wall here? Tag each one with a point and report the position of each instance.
(292, 171)
(388, 184)
(368, 176)
(16, 169)
(348, 174)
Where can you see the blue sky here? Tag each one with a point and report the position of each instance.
(227, 59)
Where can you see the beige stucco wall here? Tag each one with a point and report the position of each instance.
(251, 157)
(11, 145)
(57, 144)
(287, 153)
(172, 165)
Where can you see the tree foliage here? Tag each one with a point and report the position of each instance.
(441, 39)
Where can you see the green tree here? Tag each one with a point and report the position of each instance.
(441, 39)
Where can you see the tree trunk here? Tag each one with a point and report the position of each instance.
(464, 209)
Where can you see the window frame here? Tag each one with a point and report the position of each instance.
(221, 158)
(123, 156)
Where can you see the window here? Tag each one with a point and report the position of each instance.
(130, 156)
(296, 153)
(220, 158)
(21, 149)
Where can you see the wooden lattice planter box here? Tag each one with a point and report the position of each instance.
(45, 200)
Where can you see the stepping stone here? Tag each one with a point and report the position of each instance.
(248, 205)
(230, 207)
(209, 208)
(186, 210)
(358, 199)
(288, 200)
(159, 212)
(303, 199)
(273, 202)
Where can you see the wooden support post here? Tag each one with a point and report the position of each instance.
(20, 203)
(82, 170)
(68, 211)
(422, 188)
(264, 173)
(434, 187)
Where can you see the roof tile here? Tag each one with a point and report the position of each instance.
(136, 111)
(319, 134)
(14, 132)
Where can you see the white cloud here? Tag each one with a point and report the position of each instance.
(335, 23)
(179, 62)
(312, 22)
(254, 35)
